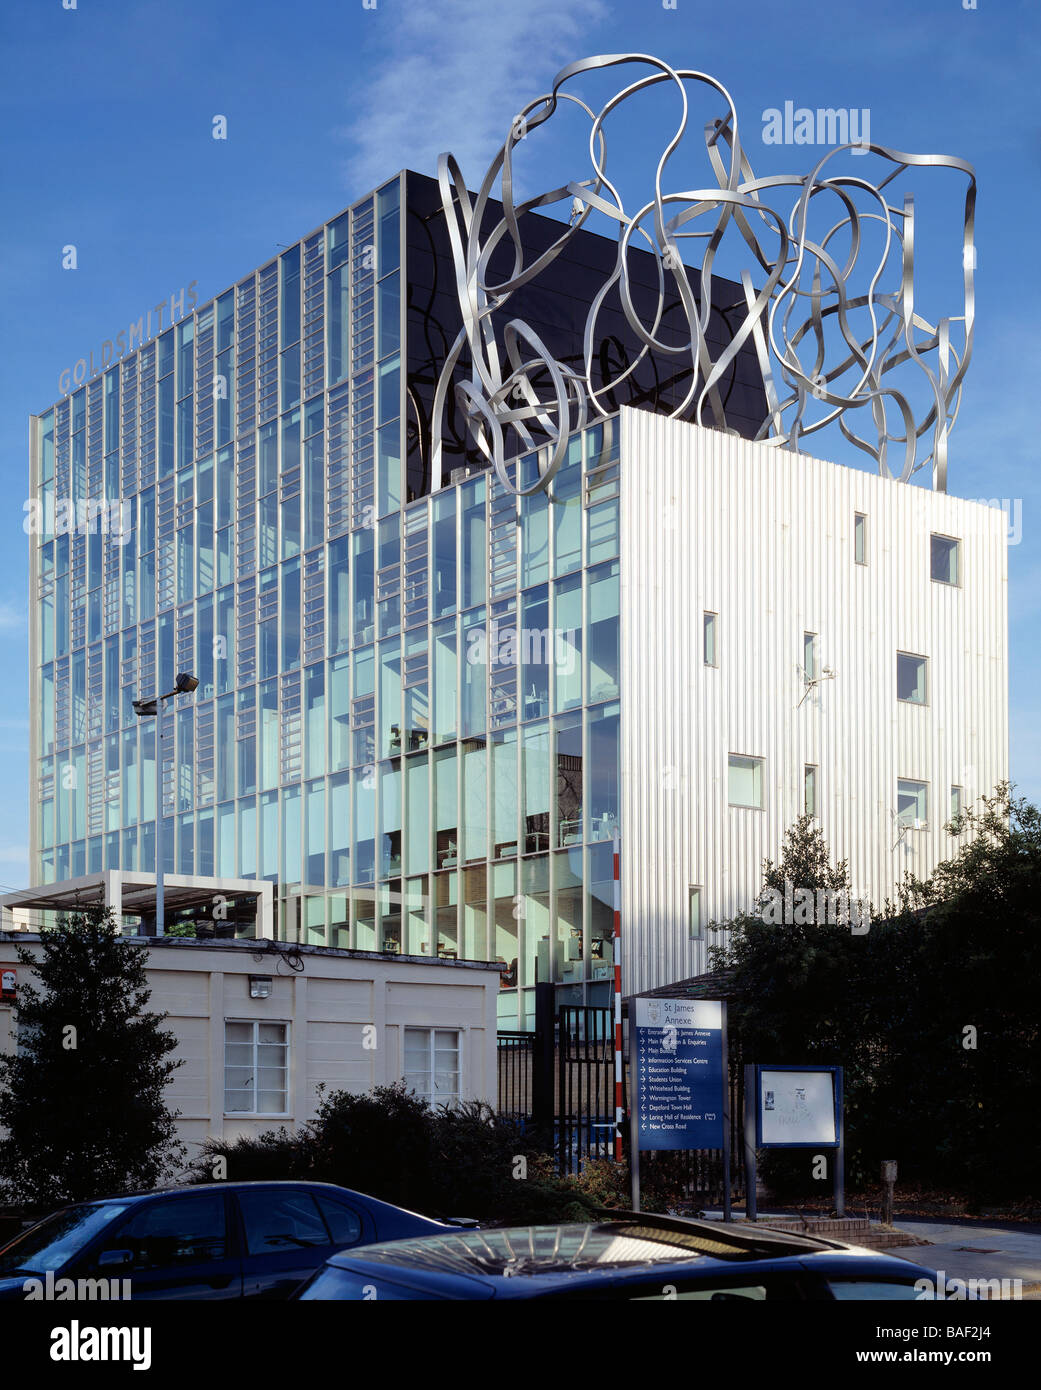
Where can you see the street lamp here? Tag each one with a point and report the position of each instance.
(153, 709)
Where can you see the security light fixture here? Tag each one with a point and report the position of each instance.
(153, 709)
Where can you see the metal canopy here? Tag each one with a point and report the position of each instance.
(135, 893)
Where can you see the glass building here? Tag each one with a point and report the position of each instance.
(407, 715)
(409, 710)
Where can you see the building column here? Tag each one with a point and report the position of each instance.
(215, 1040)
(114, 897)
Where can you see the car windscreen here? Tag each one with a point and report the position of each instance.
(56, 1239)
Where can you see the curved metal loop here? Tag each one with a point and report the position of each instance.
(822, 325)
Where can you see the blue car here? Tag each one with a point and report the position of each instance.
(624, 1256)
(214, 1240)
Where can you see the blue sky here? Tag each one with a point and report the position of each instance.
(108, 111)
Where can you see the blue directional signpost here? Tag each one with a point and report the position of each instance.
(678, 1070)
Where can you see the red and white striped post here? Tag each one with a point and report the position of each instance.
(618, 1108)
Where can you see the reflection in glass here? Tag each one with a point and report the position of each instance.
(603, 653)
(567, 738)
(417, 852)
(604, 777)
(536, 773)
(567, 655)
(537, 957)
(446, 909)
(504, 794)
(475, 798)
(475, 913)
(446, 814)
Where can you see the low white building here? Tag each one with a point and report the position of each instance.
(261, 1024)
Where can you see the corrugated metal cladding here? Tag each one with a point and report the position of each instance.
(765, 539)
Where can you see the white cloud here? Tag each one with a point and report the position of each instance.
(453, 74)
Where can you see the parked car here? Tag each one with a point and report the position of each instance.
(213, 1240)
(623, 1256)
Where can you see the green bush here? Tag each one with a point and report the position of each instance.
(269, 1155)
(391, 1145)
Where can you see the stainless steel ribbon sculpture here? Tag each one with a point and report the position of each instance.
(825, 351)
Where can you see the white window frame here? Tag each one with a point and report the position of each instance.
(913, 656)
(811, 668)
(912, 822)
(954, 583)
(810, 776)
(956, 795)
(255, 1024)
(860, 538)
(430, 1094)
(694, 902)
(710, 624)
(761, 765)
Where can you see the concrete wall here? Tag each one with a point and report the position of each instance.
(764, 538)
(327, 1004)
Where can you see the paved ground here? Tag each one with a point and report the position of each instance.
(963, 1249)
(971, 1250)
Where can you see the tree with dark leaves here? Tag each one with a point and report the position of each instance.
(82, 1098)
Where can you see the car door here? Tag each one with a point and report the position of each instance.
(758, 1285)
(286, 1238)
(174, 1246)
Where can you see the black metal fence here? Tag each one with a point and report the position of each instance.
(516, 1052)
(585, 1085)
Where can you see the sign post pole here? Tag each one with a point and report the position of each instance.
(634, 1110)
(888, 1179)
(840, 1151)
(619, 1113)
(751, 1101)
(726, 1119)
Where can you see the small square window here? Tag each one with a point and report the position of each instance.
(809, 790)
(860, 538)
(945, 560)
(694, 914)
(711, 639)
(911, 678)
(912, 804)
(745, 781)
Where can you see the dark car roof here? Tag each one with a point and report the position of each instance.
(174, 1189)
(524, 1260)
(194, 1189)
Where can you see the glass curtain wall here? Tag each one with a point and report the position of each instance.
(407, 712)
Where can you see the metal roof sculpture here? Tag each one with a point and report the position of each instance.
(827, 332)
